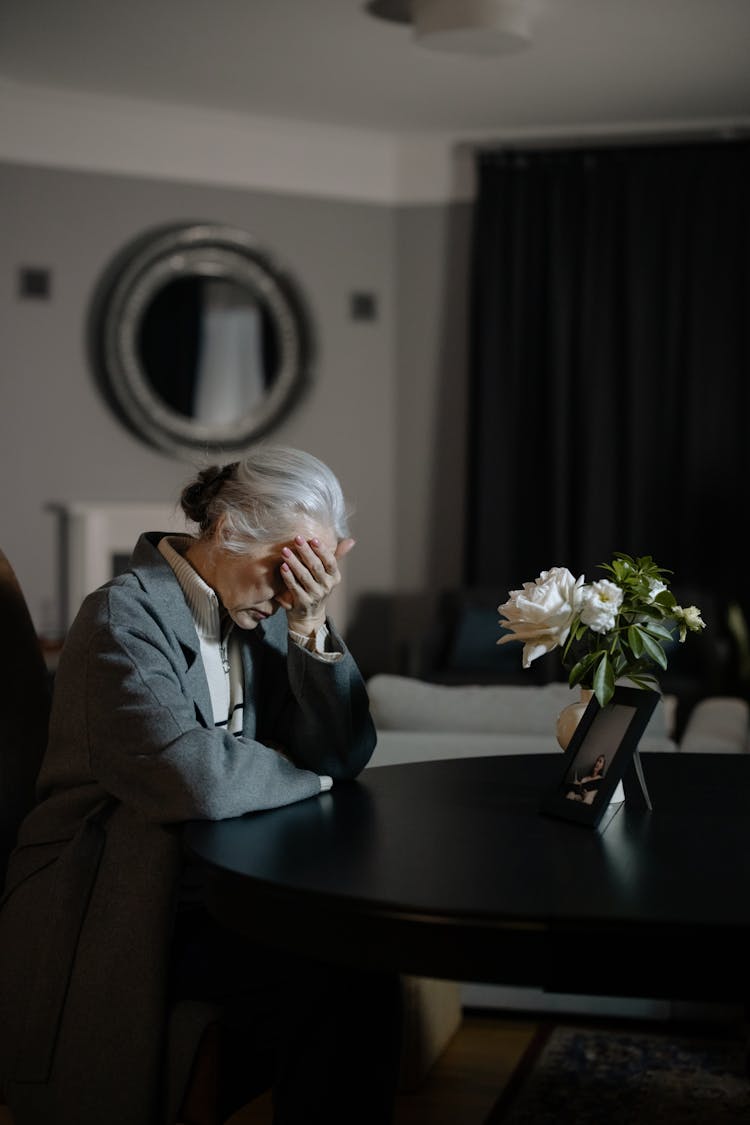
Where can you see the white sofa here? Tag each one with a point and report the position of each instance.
(421, 721)
(718, 725)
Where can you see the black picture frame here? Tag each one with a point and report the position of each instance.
(612, 732)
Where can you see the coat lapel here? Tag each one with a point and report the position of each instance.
(158, 580)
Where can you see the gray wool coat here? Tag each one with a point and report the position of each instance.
(91, 889)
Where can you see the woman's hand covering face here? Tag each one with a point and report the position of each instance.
(310, 573)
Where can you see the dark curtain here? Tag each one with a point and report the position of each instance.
(610, 364)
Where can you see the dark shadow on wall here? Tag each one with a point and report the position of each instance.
(393, 632)
(448, 491)
(432, 390)
(403, 631)
(445, 636)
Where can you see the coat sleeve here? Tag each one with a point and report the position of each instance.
(125, 716)
(325, 723)
(324, 720)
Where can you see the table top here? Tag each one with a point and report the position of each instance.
(449, 869)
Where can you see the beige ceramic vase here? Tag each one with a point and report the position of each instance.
(570, 717)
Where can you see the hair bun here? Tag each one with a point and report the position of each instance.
(196, 497)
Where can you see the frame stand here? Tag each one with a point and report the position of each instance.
(642, 780)
(606, 738)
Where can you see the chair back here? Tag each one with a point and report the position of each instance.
(25, 696)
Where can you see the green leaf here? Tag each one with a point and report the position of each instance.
(654, 650)
(604, 682)
(649, 610)
(660, 629)
(583, 667)
(665, 600)
(578, 672)
(635, 640)
(579, 629)
(644, 680)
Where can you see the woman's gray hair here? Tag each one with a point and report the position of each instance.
(265, 497)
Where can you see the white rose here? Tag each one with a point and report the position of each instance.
(689, 618)
(542, 612)
(600, 603)
(655, 587)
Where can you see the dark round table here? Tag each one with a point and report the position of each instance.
(449, 869)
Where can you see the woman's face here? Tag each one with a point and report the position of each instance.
(250, 586)
(599, 764)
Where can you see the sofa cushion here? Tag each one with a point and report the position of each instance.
(406, 704)
(402, 703)
(717, 725)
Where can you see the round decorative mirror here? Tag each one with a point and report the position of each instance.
(202, 343)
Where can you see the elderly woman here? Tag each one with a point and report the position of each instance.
(205, 682)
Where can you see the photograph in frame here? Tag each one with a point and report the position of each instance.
(598, 755)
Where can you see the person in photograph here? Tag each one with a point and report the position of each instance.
(586, 788)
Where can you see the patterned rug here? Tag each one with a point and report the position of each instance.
(589, 1076)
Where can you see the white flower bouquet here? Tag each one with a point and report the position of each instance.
(612, 629)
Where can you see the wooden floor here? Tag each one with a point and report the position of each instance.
(461, 1088)
(463, 1085)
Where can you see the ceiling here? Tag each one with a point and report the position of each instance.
(593, 65)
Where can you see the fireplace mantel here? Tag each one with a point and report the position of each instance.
(97, 539)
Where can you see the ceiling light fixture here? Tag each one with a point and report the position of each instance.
(468, 26)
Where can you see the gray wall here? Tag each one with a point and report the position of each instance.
(432, 268)
(385, 408)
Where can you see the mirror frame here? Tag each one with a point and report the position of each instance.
(208, 250)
